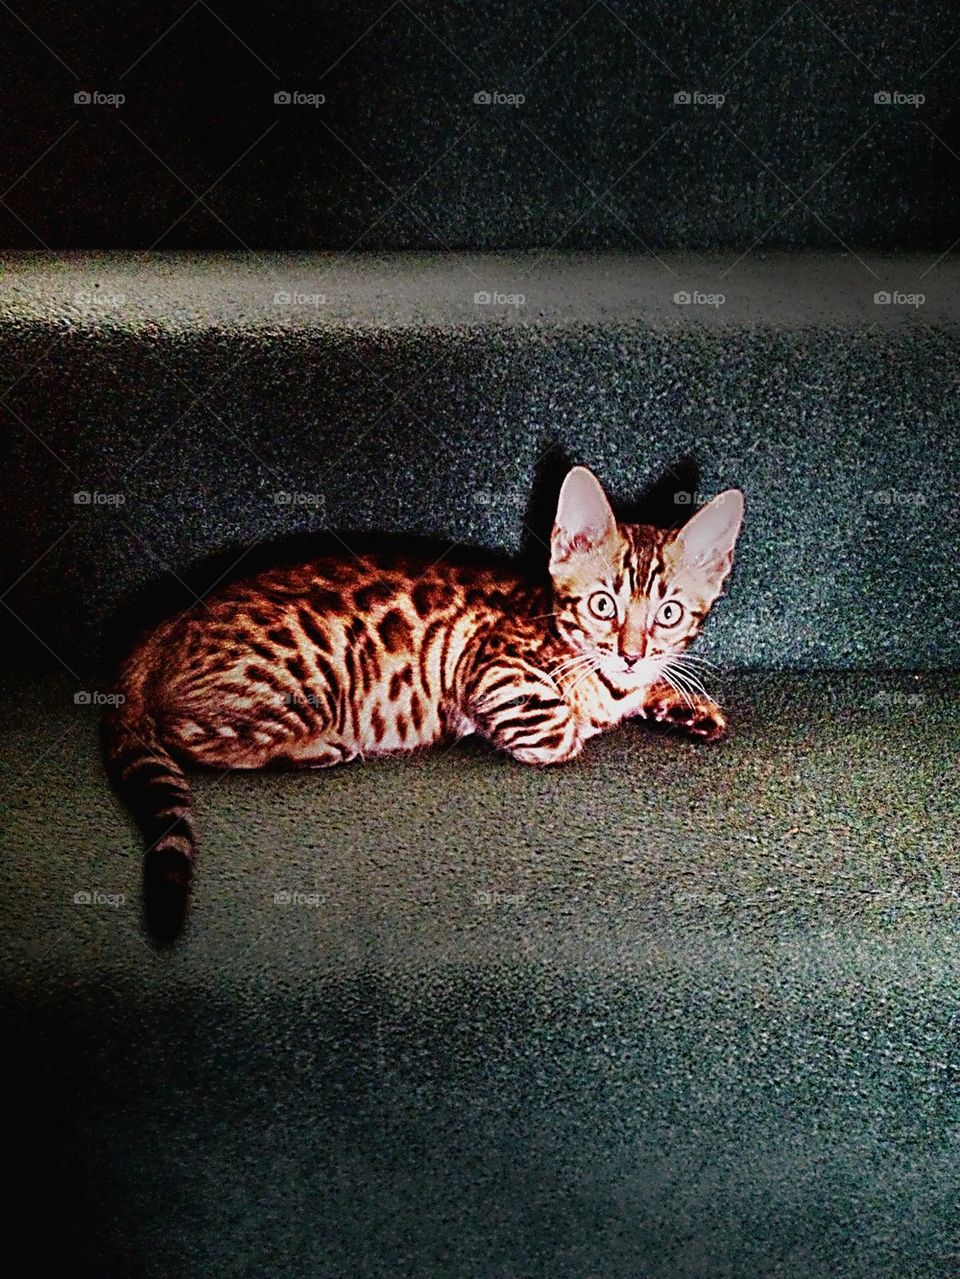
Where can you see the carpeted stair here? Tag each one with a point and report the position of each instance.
(673, 1012)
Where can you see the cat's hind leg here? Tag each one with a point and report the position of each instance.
(241, 744)
(322, 754)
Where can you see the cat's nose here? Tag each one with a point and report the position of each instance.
(630, 662)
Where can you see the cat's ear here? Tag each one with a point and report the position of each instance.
(584, 518)
(707, 540)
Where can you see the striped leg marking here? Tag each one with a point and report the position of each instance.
(520, 711)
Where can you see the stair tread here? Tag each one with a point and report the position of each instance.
(517, 1021)
(183, 292)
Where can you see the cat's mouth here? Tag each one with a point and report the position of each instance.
(638, 672)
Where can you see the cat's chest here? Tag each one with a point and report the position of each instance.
(599, 707)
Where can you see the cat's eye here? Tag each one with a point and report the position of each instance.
(669, 614)
(602, 605)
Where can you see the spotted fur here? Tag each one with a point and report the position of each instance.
(338, 659)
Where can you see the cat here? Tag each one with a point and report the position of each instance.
(337, 659)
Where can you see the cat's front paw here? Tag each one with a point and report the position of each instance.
(697, 716)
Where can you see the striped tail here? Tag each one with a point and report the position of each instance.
(153, 786)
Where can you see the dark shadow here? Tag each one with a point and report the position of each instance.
(660, 504)
(548, 475)
(669, 501)
(165, 595)
(166, 897)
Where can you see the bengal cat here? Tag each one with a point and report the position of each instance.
(337, 659)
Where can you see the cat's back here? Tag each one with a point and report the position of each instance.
(364, 649)
(378, 609)
(364, 586)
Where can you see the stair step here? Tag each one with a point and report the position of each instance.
(672, 125)
(696, 1005)
(204, 416)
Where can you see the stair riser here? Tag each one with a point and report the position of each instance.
(845, 444)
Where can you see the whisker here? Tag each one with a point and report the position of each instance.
(570, 685)
(570, 679)
(685, 662)
(690, 677)
(689, 682)
(570, 662)
(582, 675)
(575, 657)
(694, 659)
(677, 689)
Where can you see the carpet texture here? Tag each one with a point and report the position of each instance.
(200, 417)
(780, 140)
(673, 1011)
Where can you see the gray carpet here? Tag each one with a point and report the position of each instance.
(401, 406)
(675, 1011)
(399, 155)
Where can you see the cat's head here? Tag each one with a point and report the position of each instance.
(630, 595)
